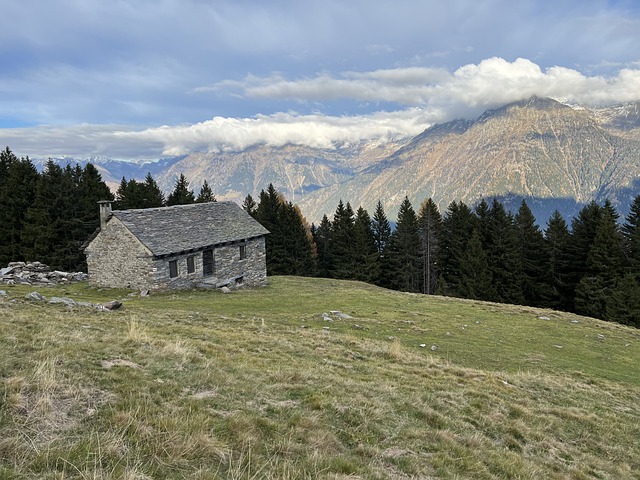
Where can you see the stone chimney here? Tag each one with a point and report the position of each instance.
(105, 212)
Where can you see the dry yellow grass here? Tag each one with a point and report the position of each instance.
(252, 385)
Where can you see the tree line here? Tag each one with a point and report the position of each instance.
(49, 216)
(591, 267)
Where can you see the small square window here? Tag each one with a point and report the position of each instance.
(191, 264)
(173, 268)
(243, 252)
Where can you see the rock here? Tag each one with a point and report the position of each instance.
(434, 348)
(337, 313)
(600, 336)
(422, 345)
(225, 290)
(35, 296)
(575, 321)
(69, 302)
(112, 305)
(144, 293)
(3, 293)
(544, 318)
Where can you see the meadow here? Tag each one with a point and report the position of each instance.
(260, 383)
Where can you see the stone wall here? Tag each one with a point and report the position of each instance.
(117, 259)
(229, 269)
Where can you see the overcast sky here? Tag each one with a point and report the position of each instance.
(138, 79)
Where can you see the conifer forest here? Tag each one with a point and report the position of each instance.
(589, 264)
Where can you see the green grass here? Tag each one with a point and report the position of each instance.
(255, 384)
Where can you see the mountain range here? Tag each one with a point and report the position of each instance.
(556, 156)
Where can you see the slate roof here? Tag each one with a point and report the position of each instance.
(170, 230)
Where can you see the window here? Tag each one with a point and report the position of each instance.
(207, 263)
(173, 268)
(191, 264)
(243, 252)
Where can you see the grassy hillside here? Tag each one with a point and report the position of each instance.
(256, 384)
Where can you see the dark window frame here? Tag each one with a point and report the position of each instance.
(173, 268)
(243, 251)
(208, 263)
(191, 264)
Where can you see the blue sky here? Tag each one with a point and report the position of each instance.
(144, 79)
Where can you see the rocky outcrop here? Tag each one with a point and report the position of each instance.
(30, 273)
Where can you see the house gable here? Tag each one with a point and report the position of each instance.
(117, 258)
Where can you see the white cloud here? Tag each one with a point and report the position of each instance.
(422, 96)
(219, 133)
(491, 82)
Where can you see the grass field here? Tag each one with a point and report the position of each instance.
(257, 384)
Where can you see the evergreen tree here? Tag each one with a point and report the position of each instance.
(404, 251)
(457, 227)
(152, 196)
(322, 238)
(249, 205)
(503, 256)
(583, 233)
(381, 234)
(604, 269)
(429, 229)
(475, 277)
(557, 240)
(534, 259)
(483, 223)
(268, 214)
(631, 235)
(17, 192)
(342, 248)
(206, 194)
(624, 306)
(297, 242)
(381, 228)
(365, 251)
(181, 195)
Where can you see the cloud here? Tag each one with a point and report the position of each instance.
(407, 100)
(491, 82)
(219, 133)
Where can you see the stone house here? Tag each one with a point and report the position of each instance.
(206, 244)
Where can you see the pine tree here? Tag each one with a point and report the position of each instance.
(381, 228)
(557, 239)
(624, 306)
(475, 277)
(297, 243)
(322, 238)
(365, 251)
(631, 235)
(534, 259)
(429, 229)
(181, 195)
(457, 227)
(404, 251)
(249, 205)
(152, 196)
(206, 194)
(381, 234)
(604, 269)
(503, 255)
(268, 214)
(342, 249)
(583, 233)
(17, 193)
